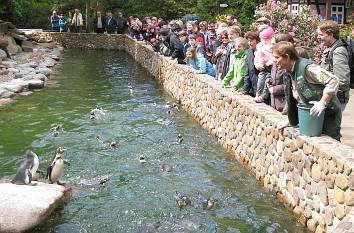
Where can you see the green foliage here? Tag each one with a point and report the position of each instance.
(347, 30)
(302, 26)
(243, 10)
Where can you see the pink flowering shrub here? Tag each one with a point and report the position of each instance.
(302, 26)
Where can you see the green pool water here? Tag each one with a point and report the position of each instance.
(138, 197)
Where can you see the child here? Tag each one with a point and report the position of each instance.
(198, 63)
(192, 40)
(236, 75)
(263, 60)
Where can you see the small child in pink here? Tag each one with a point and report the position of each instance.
(263, 60)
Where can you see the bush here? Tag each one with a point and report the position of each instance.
(302, 26)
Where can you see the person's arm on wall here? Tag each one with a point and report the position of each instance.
(202, 66)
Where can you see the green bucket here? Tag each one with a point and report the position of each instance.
(309, 125)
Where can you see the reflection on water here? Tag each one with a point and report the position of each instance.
(138, 197)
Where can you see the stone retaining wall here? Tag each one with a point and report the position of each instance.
(313, 177)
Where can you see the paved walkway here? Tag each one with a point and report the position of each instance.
(348, 122)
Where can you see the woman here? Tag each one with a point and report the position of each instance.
(199, 64)
(235, 77)
(309, 84)
(275, 86)
(219, 57)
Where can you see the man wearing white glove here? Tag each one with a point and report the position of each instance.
(318, 108)
(310, 84)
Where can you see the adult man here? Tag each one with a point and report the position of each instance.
(54, 20)
(231, 21)
(77, 21)
(99, 23)
(111, 23)
(121, 23)
(172, 42)
(309, 83)
(338, 64)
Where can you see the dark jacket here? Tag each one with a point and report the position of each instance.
(121, 25)
(111, 25)
(251, 77)
(278, 97)
(175, 46)
(103, 19)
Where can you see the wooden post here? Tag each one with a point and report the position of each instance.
(328, 9)
(86, 16)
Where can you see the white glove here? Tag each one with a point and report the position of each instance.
(282, 124)
(318, 108)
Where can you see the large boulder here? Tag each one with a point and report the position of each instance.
(3, 43)
(27, 46)
(24, 207)
(35, 84)
(12, 48)
(3, 54)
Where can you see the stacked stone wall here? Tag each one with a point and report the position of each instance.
(312, 176)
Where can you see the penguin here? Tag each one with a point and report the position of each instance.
(182, 200)
(166, 168)
(179, 139)
(113, 144)
(142, 159)
(27, 169)
(130, 87)
(97, 113)
(207, 203)
(55, 170)
(56, 130)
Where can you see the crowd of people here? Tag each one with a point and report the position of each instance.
(262, 63)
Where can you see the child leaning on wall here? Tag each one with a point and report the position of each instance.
(235, 77)
(263, 60)
(198, 63)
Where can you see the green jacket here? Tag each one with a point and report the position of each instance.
(237, 73)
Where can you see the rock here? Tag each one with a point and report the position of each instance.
(3, 54)
(4, 93)
(55, 57)
(12, 47)
(351, 181)
(13, 70)
(3, 43)
(316, 172)
(329, 215)
(311, 225)
(339, 195)
(27, 46)
(44, 70)
(18, 37)
(16, 88)
(339, 211)
(349, 197)
(23, 206)
(9, 64)
(341, 181)
(35, 84)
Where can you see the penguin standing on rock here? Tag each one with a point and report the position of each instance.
(27, 169)
(56, 169)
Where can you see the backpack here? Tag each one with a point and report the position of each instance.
(349, 45)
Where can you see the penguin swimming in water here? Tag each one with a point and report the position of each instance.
(207, 203)
(182, 200)
(27, 169)
(56, 130)
(131, 88)
(142, 158)
(55, 170)
(179, 139)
